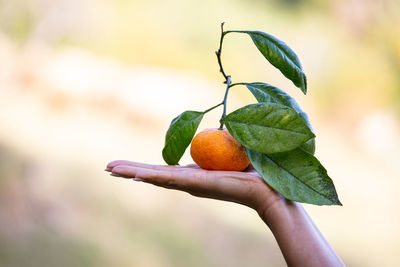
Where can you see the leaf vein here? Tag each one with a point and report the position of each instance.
(295, 177)
(275, 128)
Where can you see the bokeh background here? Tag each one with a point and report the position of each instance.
(84, 82)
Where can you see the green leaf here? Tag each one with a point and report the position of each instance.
(267, 93)
(268, 127)
(309, 146)
(296, 175)
(179, 135)
(281, 56)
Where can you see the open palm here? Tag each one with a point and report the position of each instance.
(246, 187)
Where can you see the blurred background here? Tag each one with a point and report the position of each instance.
(85, 82)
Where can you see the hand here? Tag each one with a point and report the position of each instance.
(301, 243)
(246, 187)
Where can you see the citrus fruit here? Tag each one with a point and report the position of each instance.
(214, 149)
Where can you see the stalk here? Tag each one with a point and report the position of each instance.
(219, 51)
(228, 85)
(213, 107)
(228, 80)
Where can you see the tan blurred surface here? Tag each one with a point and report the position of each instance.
(86, 82)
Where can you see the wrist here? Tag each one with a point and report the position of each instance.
(273, 211)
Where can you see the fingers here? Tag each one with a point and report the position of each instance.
(158, 177)
(181, 180)
(115, 163)
(129, 171)
(240, 187)
(184, 178)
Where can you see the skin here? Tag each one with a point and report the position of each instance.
(300, 241)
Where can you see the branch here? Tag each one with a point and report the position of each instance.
(219, 51)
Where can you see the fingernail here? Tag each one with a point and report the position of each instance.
(108, 169)
(137, 179)
(116, 175)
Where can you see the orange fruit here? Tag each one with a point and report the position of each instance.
(214, 149)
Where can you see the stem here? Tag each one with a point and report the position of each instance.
(234, 84)
(228, 80)
(228, 85)
(219, 51)
(213, 107)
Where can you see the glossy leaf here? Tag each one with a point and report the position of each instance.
(267, 93)
(179, 135)
(296, 175)
(309, 146)
(268, 127)
(281, 56)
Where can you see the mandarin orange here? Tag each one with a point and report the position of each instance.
(214, 149)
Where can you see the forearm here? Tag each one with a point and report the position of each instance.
(299, 239)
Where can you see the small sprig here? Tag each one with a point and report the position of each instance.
(276, 132)
(228, 79)
(219, 51)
